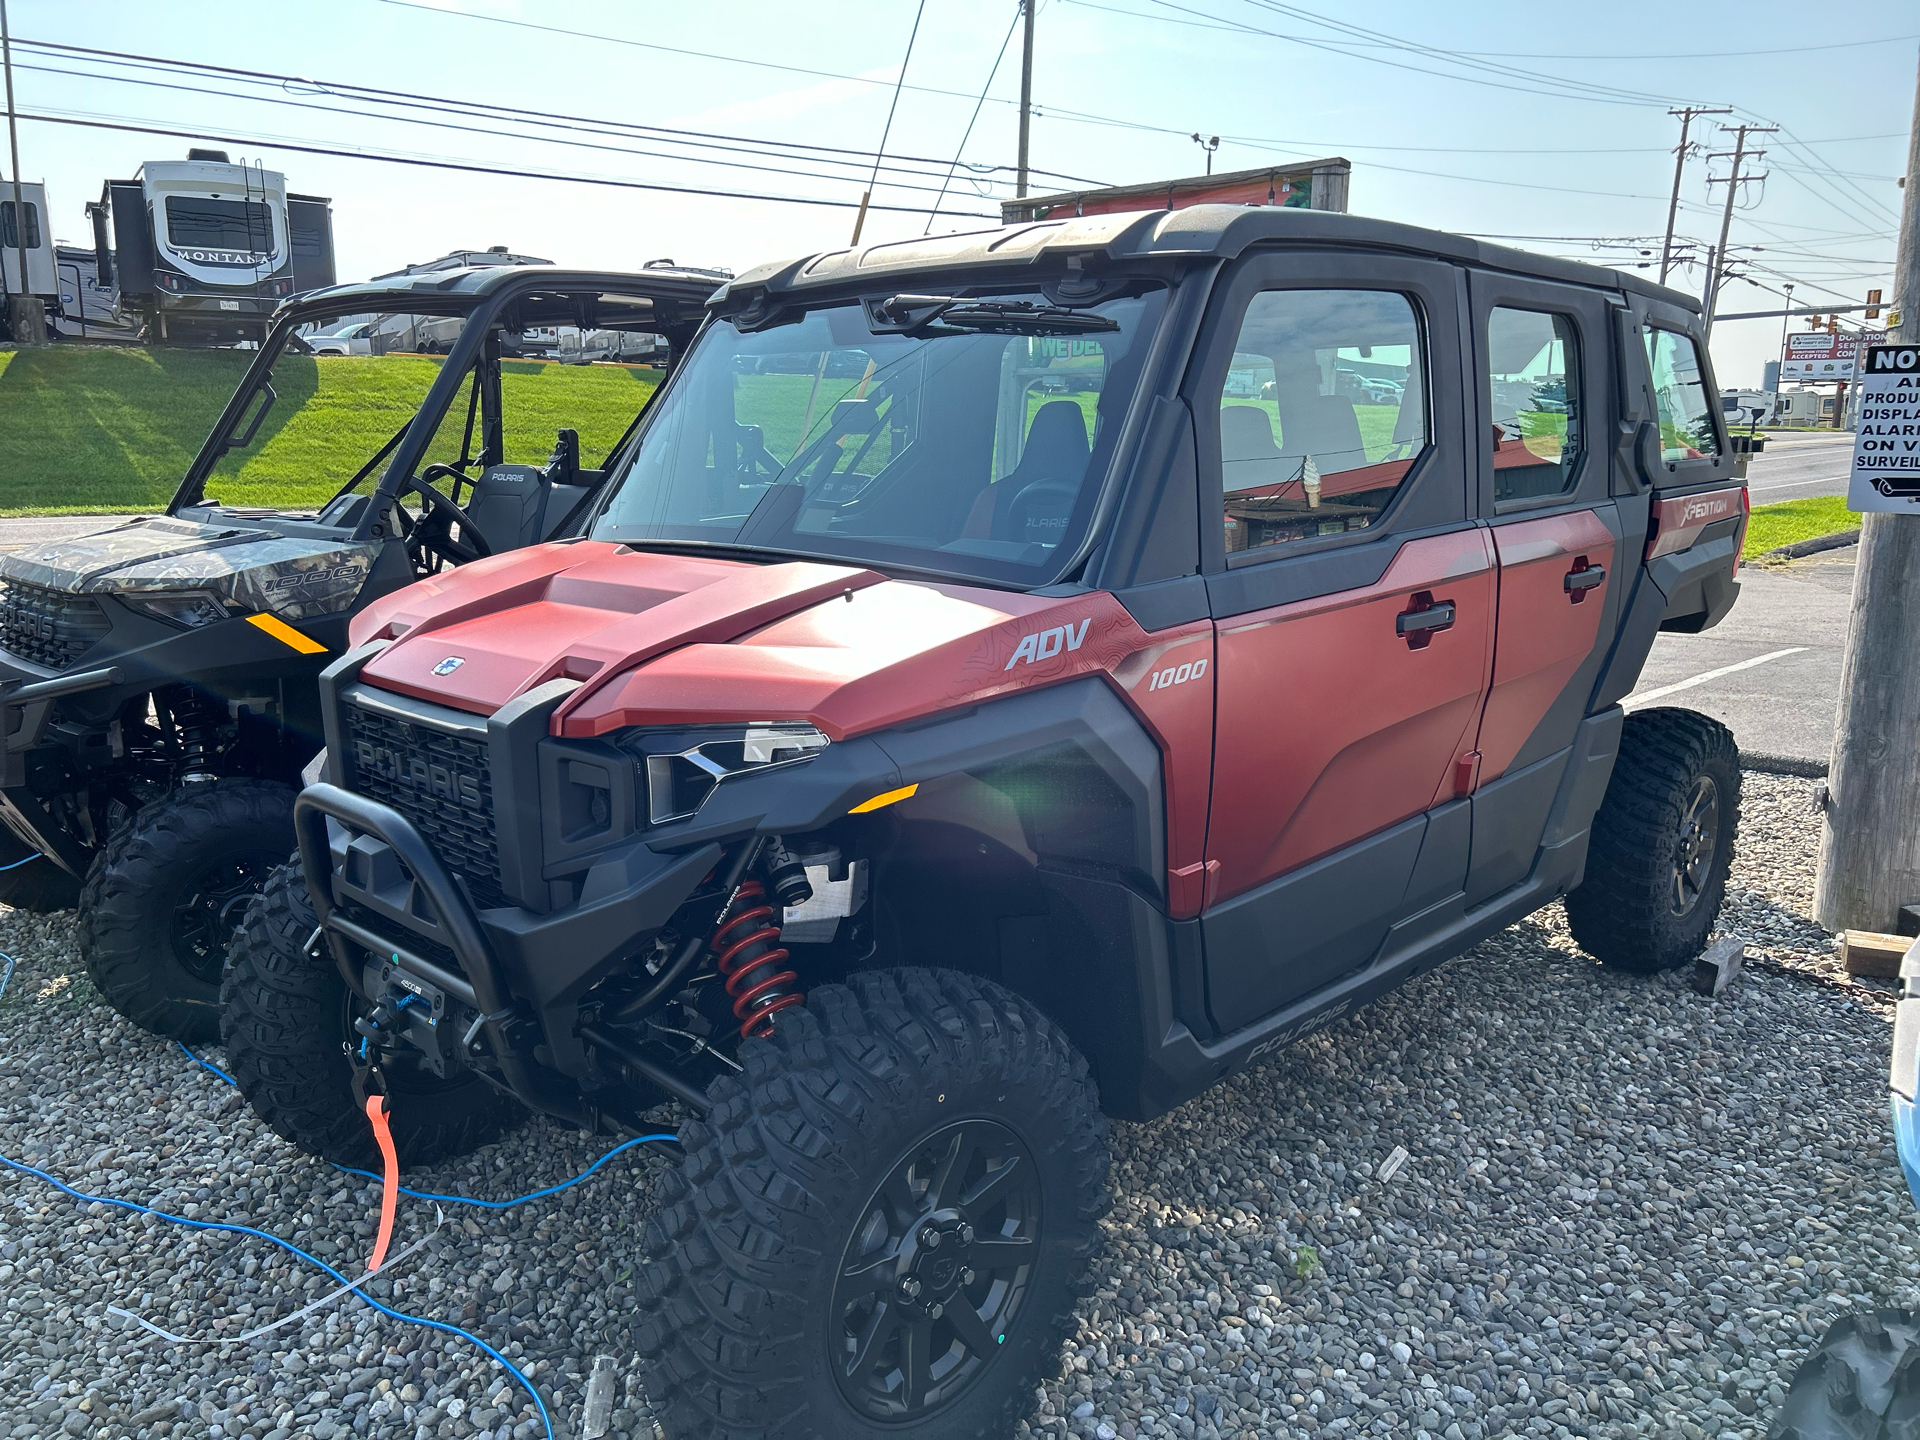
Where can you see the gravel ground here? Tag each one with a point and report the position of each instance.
(1627, 1210)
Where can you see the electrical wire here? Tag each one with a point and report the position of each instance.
(21, 1167)
(967, 134)
(128, 125)
(18, 863)
(443, 104)
(206, 1065)
(894, 104)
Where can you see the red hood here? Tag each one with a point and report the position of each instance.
(670, 639)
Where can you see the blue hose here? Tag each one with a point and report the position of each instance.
(292, 1249)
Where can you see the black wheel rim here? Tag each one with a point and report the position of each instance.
(208, 911)
(939, 1263)
(1694, 850)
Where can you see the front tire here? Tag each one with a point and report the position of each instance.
(30, 881)
(1662, 843)
(285, 1016)
(882, 1226)
(163, 899)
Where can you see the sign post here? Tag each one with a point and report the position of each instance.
(1886, 447)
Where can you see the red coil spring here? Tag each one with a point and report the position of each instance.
(749, 959)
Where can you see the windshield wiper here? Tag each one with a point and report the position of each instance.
(922, 315)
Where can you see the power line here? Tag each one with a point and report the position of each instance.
(968, 132)
(472, 129)
(1640, 57)
(860, 220)
(464, 166)
(703, 139)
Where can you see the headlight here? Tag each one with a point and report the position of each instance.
(679, 780)
(189, 608)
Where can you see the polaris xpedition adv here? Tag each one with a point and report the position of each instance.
(1011, 677)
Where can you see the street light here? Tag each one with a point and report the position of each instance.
(1785, 320)
(1210, 144)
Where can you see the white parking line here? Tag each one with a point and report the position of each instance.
(1665, 690)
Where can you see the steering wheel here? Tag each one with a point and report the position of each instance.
(1044, 506)
(432, 534)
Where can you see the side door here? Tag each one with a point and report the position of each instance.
(1544, 377)
(1353, 601)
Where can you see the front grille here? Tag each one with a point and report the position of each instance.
(48, 627)
(441, 783)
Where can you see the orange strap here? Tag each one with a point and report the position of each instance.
(389, 1178)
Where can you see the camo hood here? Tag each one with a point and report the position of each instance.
(294, 577)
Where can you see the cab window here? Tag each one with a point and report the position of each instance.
(1322, 413)
(1533, 388)
(1680, 393)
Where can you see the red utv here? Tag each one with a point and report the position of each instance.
(1013, 677)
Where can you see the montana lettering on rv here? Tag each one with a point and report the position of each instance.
(1046, 644)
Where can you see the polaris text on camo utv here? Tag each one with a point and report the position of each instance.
(157, 680)
(1012, 676)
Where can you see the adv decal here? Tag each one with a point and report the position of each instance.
(1045, 644)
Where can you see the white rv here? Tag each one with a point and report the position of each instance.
(29, 225)
(204, 249)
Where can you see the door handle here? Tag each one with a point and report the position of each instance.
(1583, 579)
(1423, 619)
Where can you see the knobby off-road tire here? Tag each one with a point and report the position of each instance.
(1862, 1382)
(285, 1015)
(1662, 843)
(806, 1196)
(33, 882)
(163, 899)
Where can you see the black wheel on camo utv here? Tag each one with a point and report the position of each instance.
(285, 1015)
(30, 881)
(1662, 843)
(882, 1226)
(164, 897)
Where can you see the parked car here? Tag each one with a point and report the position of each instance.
(354, 339)
(910, 770)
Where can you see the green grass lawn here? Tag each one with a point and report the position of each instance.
(1775, 525)
(109, 430)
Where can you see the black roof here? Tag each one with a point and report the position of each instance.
(1197, 233)
(482, 280)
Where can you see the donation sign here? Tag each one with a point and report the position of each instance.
(1886, 447)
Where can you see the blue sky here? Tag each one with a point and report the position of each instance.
(1546, 121)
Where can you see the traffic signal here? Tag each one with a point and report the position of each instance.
(1873, 305)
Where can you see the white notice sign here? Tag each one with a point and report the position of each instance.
(1886, 447)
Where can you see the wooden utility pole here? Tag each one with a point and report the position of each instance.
(1733, 182)
(1026, 97)
(1679, 169)
(1870, 842)
(13, 142)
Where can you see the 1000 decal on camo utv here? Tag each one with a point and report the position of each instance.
(158, 681)
(1011, 677)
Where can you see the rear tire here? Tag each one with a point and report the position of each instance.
(163, 899)
(1662, 843)
(30, 881)
(284, 1018)
(1862, 1380)
(901, 1103)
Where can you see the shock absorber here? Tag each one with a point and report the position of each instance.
(198, 723)
(750, 959)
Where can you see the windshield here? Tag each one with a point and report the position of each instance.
(977, 453)
(244, 226)
(335, 419)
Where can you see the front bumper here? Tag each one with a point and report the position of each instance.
(27, 696)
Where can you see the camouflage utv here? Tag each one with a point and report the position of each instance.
(159, 680)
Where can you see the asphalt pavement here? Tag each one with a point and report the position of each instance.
(21, 530)
(1796, 467)
(1771, 670)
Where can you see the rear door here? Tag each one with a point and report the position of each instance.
(1544, 368)
(1353, 599)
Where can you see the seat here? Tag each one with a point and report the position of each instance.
(1323, 426)
(1056, 452)
(1249, 460)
